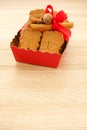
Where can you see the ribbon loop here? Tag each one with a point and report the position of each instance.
(49, 9)
(61, 16)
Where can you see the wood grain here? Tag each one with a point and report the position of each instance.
(40, 98)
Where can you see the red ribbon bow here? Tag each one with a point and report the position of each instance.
(59, 18)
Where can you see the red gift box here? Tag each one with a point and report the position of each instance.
(35, 57)
(43, 58)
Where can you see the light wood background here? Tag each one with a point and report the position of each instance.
(41, 98)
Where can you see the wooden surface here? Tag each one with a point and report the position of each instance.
(40, 98)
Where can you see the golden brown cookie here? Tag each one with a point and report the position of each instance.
(29, 39)
(36, 16)
(51, 41)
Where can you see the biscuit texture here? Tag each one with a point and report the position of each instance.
(51, 41)
(29, 39)
(36, 16)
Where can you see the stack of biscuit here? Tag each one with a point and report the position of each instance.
(39, 35)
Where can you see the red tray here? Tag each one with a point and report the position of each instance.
(34, 57)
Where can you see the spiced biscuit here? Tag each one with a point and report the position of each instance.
(51, 41)
(29, 39)
(36, 16)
